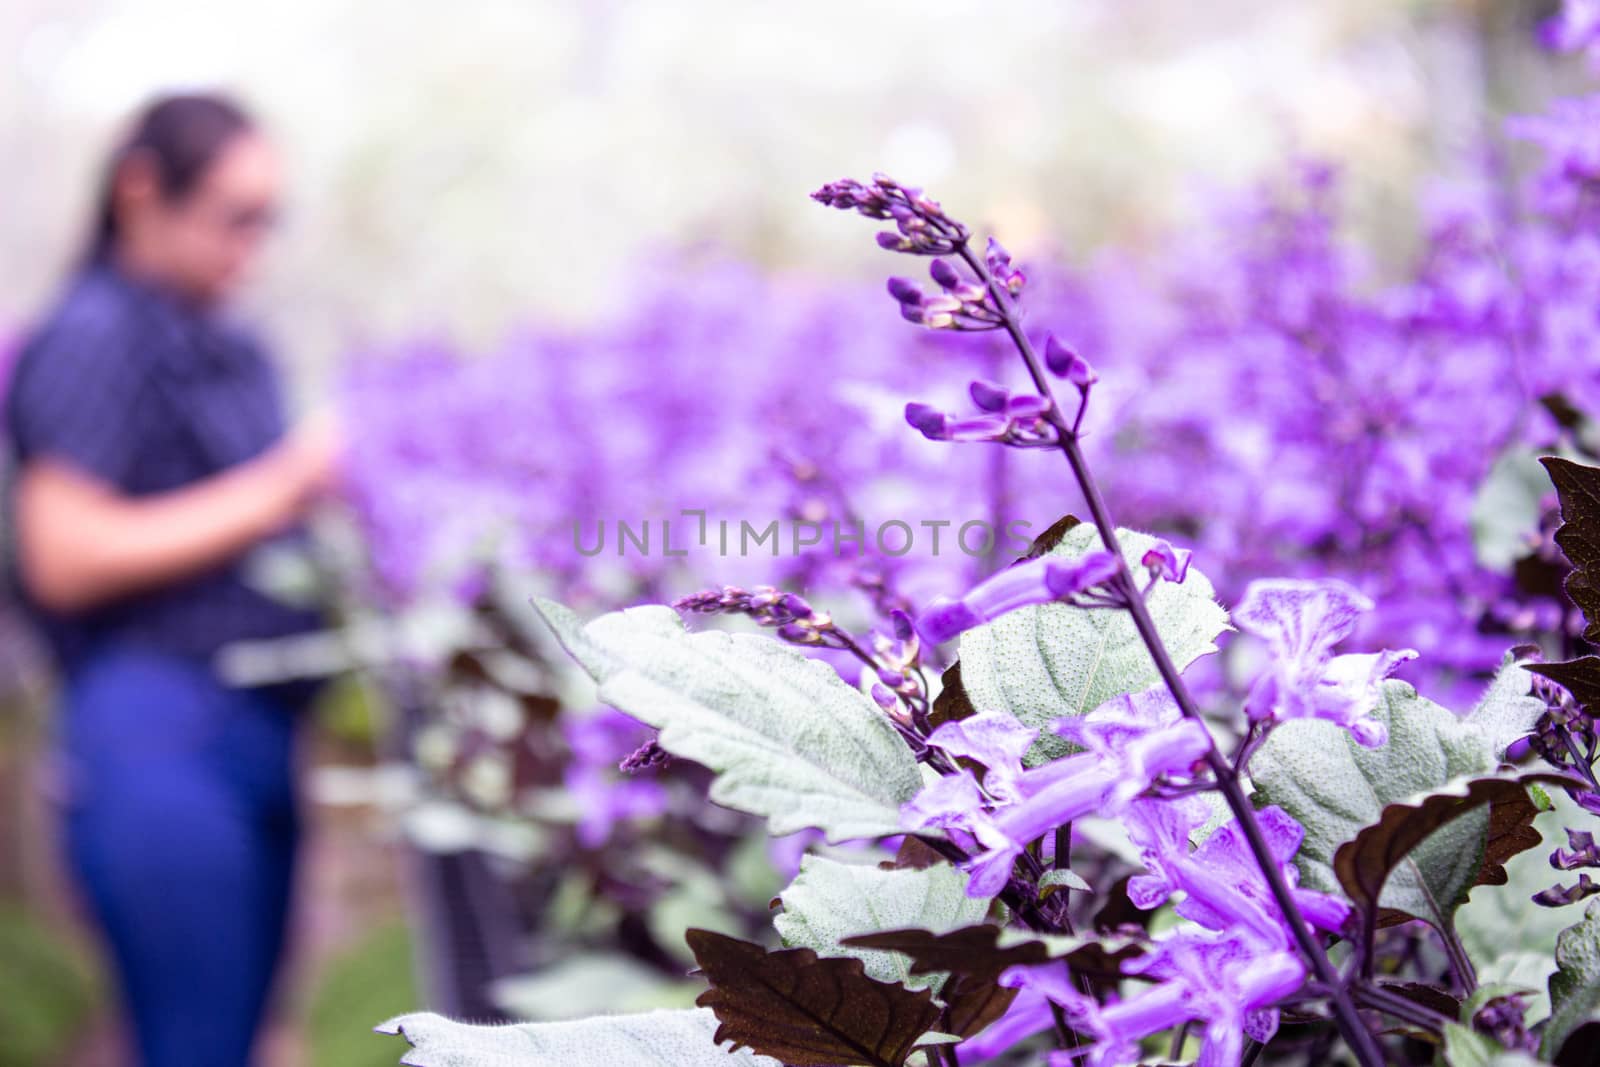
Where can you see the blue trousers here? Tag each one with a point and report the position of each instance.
(181, 826)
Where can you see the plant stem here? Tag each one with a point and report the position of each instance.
(1466, 974)
(1391, 1003)
(1351, 1026)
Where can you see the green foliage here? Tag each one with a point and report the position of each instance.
(830, 901)
(373, 980)
(1365, 863)
(46, 991)
(1050, 660)
(1336, 788)
(652, 1039)
(1508, 709)
(788, 739)
(1464, 1047)
(1510, 939)
(1575, 986)
(1505, 512)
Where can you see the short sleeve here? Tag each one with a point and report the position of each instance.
(76, 396)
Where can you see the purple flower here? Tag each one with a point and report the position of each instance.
(1037, 581)
(1164, 561)
(997, 741)
(602, 802)
(1228, 983)
(1576, 27)
(998, 260)
(1302, 621)
(1222, 885)
(1128, 743)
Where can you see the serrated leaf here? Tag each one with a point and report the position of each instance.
(787, 738)
(805, 1010)
(1580, 677)
(831, 901)
(1578, 537)
(1044, 662)
(987, 950)
(1508, 709)
(1511, 940)
(1575, 986)
(654, 1039)
(1364, 864)
(972, 1003)
(1335, 788)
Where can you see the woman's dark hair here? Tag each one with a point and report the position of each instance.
(181, 135)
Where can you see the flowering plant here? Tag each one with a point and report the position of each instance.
(1093, 863)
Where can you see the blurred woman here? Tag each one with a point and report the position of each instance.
(152, 458)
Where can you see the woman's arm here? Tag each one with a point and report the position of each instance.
(82, 544)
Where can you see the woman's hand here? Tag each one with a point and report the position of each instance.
(82, 543)
(307, 462)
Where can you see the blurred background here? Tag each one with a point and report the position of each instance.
(465, 171)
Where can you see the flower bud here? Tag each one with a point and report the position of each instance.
(905, 290)
(989, 396)
(929, 420)
(943, 273)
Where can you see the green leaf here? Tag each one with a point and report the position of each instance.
(1508, 709)
(1044, 662)
(1464, 1047)
(1335, 788)
(654, 1039)
(830, 901)
(1510, 939)
(805, 1010)
(591, 983)
(1575, 986)
(1505, 512)
(1064, 879)
(1365, 863)
(787, 738)
(1578, 536)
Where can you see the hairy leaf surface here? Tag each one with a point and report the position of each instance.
(786, 736)
(1335, 788)
(1052, 660)
(654, 1039)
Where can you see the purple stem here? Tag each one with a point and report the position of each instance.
(1351, 1026)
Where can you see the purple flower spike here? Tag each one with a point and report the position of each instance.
(1302, 621)
(998, 260)
(1164, 561)
(1038, 581)
(989, 396)
(1063, 362)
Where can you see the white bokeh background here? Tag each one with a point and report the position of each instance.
(462, 167)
